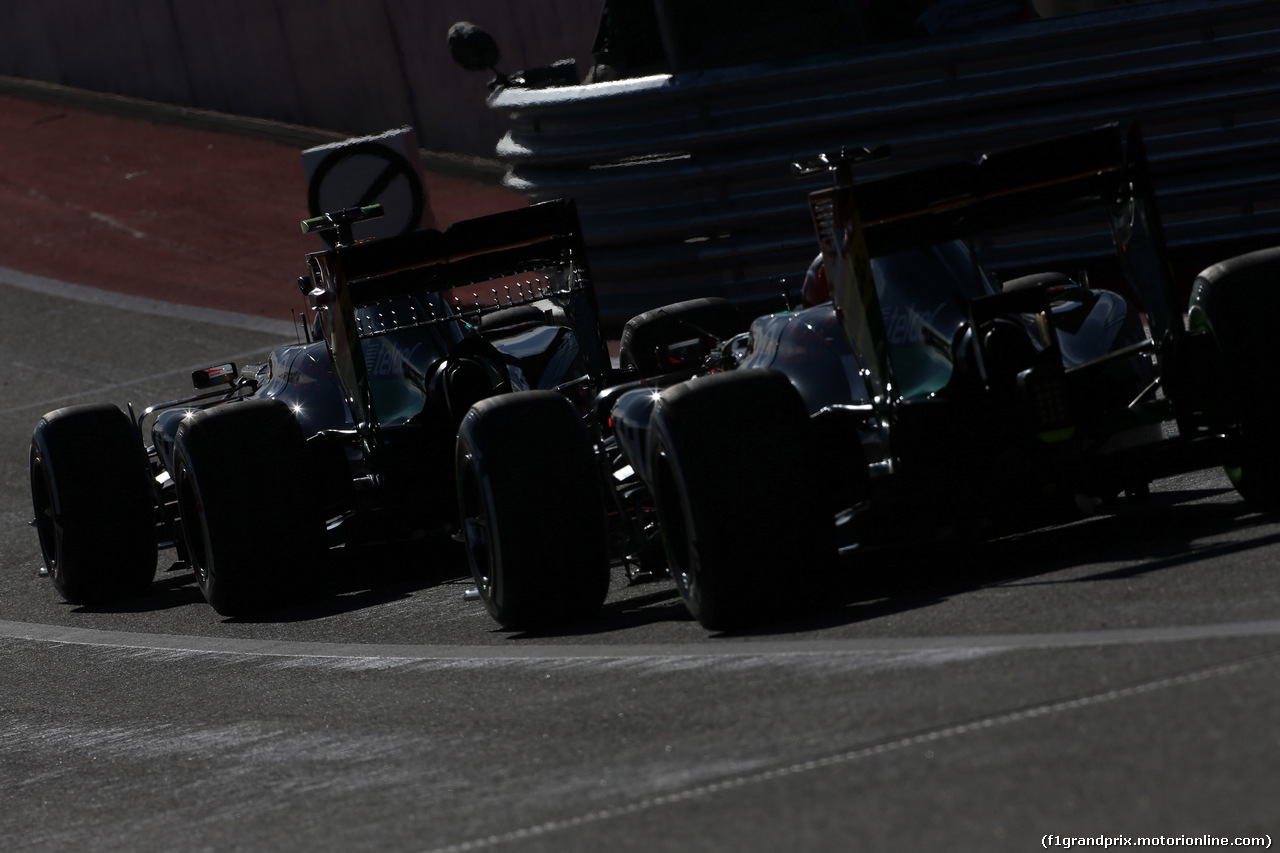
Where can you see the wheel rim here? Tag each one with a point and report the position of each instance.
(191, 514)
(477, 529)
(46, 523)
(674, 525)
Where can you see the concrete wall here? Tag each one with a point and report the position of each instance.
(354, 66)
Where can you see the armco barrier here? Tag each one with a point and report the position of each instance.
(354, 66)
(683, 181)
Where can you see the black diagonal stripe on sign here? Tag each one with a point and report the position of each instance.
(394, 169)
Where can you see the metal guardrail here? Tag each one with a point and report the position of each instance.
(683, 181)
(355, 68)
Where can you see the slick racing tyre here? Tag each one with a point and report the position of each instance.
(533, 511)
(244, 490)
(745, 508)
(1237, 303)
(94, 505)
(646, 336)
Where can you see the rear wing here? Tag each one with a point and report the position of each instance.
(499, 261)
(1103, 168)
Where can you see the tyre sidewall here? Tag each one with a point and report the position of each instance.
(246, 498)
(742, 501)
(1234, 302)
(94, 504)
(525, 461)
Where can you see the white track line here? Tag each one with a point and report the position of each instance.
(141, 305)
(566, 651)
(858, 754)
(285, 330)
(99, 391)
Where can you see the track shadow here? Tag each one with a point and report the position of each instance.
(370, 577)
(1168, 530)
(346, 583)
(1153, 535)
(662, 604)
(173, 588)
(1158, 533)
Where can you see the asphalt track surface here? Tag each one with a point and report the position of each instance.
(1115, 677)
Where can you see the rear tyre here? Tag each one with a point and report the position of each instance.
(1237, 302)
(533, 511)
(94, 505)
(744, 505)
(253, 535)
(646, 335)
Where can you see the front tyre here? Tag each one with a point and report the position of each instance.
(533, 511)
(246, 502)
(94, 505)
(744, 505)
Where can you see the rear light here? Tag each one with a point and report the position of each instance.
(1046, 391)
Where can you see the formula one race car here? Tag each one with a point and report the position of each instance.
(926, 398)
(344, 440)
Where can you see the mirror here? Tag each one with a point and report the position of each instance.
(218, 374)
